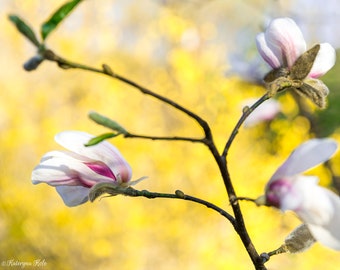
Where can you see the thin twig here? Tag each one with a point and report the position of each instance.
(245, 199)
(163, 138)
(152, 195)
(63, 63)
(244, 116)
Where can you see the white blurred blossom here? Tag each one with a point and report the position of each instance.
(265, 112)
(316, 206)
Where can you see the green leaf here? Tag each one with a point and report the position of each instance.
(24, 29)
(101, 138)
(328, 120)
(57, 17)
(107, 122)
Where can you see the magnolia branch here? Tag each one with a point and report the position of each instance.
(106, 70)
(239, 224)
(163, 138)
(112, 190)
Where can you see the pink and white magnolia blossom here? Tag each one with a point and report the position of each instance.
(74, 172)
(282, 43)
(265, 112)
(316, 206)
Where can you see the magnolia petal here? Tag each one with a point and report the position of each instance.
(306, 156)
(285, 39)
(61, 168)
(104, 151)
(325, 236)
(315, 206)
(73, 195)
(293, 197)
(274, 60)
(324, 61)
(322, 215)
(64, 154)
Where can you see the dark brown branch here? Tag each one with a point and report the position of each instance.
(239, 224)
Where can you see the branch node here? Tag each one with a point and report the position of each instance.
(180, 194)
(107, 70)
(265, 257)
(233, 200)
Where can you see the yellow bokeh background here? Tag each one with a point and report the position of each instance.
(176, 55)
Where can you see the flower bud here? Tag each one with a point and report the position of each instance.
(299, 240)
(33, 63)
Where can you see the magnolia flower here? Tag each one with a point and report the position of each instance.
(265, 112)
(283, 47)
(74, 172)
(316, 206)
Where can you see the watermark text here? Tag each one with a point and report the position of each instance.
(38, 263)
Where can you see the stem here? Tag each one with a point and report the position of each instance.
(63, 63)
(240, 225)
(245, 199)
(266, 256)
(222, 163)
(163, 138)
(178, 195)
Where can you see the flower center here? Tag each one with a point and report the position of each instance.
(276, 192)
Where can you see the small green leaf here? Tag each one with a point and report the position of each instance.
(24, 29)
(107, 122)
(57, 17)
(101, 138)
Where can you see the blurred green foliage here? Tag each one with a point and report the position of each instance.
(329, 120)
(176, 50)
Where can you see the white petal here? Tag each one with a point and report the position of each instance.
(65, 154)
(295, 197)
(316, 207)
(285, 39)
(274, 60)
(306, 156)
(73, 195)
(324, 61)
(321, 212)
(325, 236)
(61, 168)
(104, 151)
